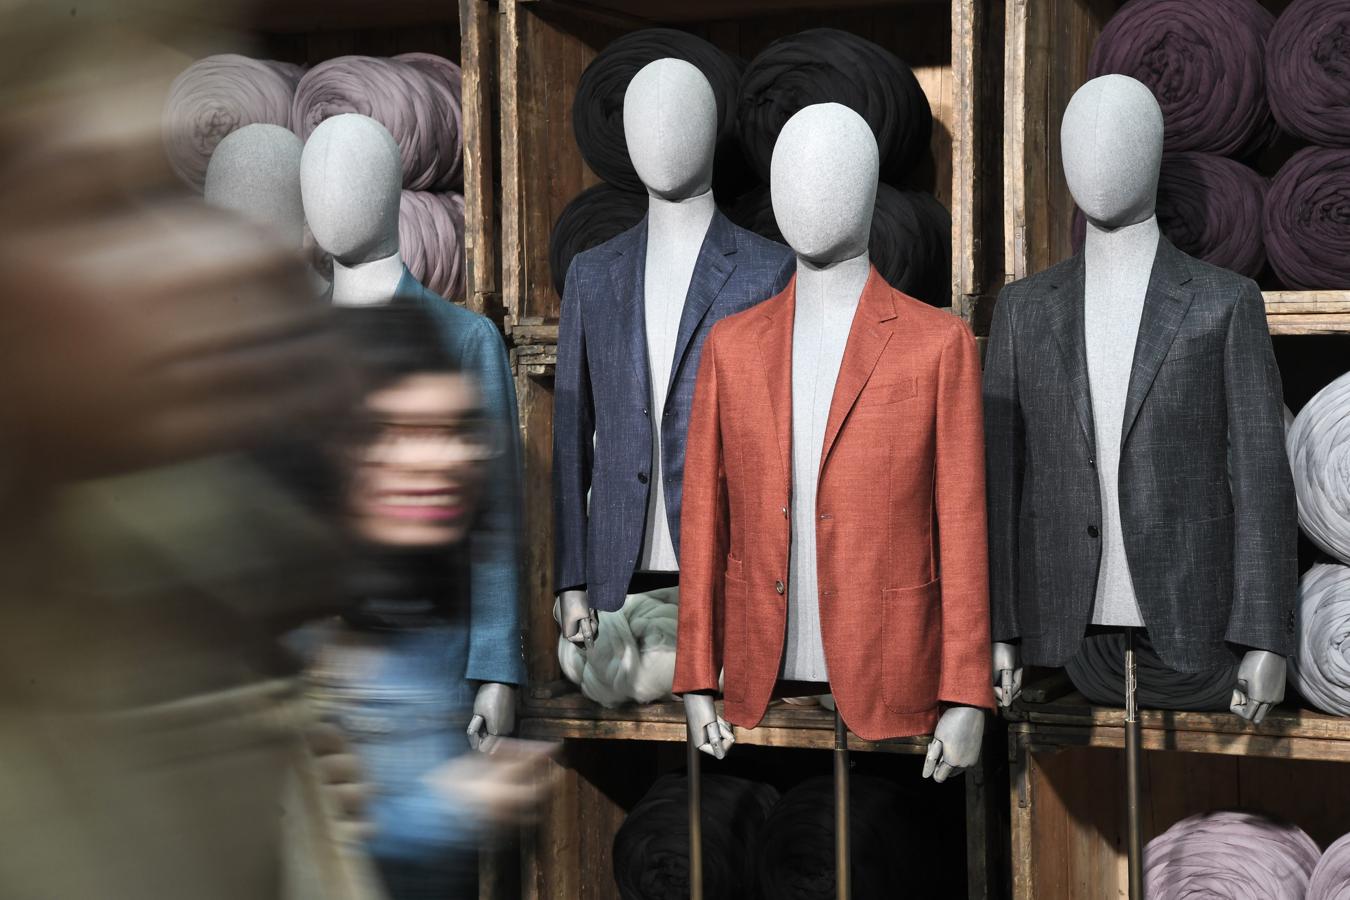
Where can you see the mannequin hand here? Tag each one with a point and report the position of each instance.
(956, 742)
(494, 715)
(1007, 674)
(579, 623)
(707, 729)
(1260, 685)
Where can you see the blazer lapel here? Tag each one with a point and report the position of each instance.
(628, 278)
(1064, 306)
(1165, 307)
(867, 338)
(711, 271)
(775, 350)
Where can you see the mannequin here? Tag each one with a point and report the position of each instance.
(255, 172)
(676, 274)
(823, 180)
(1112, 140)
(350, 179)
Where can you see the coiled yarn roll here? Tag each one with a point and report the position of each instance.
(216, 96)
(1205, 62)
(1236, 855)
(651, 848)
(1319, 454)
(910, 242)
(633, 659)
(594, 216)
(1307, 220)
(1097, 670)
(825, 65)
(1331, 879)
(1320, 666)
(1308, 71)
(411, 96)
(597, 110)
(431, 240)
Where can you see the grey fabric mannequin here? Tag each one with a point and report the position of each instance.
(1111, 140)
(255, 172)
(824, 181)
(670, 124)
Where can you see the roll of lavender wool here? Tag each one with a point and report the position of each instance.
(1205, 62)
(1319, 455)
(1308, 71)
(1320, 666)
(1236, 855)
(215, 97)
(431, 240)
(1307, 220)
(1331, 878)
(412, 98)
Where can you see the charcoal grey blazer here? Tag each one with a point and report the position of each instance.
(1213, 555)
(602, 439)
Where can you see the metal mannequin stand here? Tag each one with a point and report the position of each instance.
(695, 820)
(843, 870)
(1132, 754)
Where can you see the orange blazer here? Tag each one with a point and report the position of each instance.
(900, 517)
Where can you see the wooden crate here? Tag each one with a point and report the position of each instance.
(1047, 46)
(1067, 784)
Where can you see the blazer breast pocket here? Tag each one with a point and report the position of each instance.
(886, 394)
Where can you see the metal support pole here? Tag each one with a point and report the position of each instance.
(695, 820)
(1132, 753)
(842, 853)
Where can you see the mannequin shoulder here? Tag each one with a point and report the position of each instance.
(757, 247)
(739, 327)
(1211, 284)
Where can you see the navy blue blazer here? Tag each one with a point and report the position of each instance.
(602, 439)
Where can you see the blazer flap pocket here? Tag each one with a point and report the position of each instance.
(874, 394)
(1186, 348)
(735, 568)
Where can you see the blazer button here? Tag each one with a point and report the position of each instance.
(778, 586)
(644, 410)
(1092, 531)
(785, 512)
(1092, 463)
(642, 477)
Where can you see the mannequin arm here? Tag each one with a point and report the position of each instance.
(707, 729)
(1007, 674)
(578, 622)
(494, 715)
(1260, 685)
(956, 742)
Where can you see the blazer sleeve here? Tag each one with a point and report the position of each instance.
(967, 677)
(1265, 515)
(573, 436)
(704, 531)
(1004, 458)
(495, 647)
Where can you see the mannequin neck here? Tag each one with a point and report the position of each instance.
(1110, 246)
(837, 283)
(367, 284)
(689, 215)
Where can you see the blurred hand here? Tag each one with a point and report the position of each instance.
(342, 780)
(503, 788)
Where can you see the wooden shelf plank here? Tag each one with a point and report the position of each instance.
(654, 12)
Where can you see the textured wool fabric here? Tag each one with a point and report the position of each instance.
(592, 217)
(1235, 855)
(651, 848)
(1331, 879)
(216, 96)
(1097, 670)
(1320, 665)
(1207, 498)
(1205, 62)
(415, 96)
(1308, 71)
(825, 65)
(901, 499)
(1307, 221)
(1319, 452)
(633, 659)
(910, 242)
(892, 849)
(1211, 208)
(431, 240)
(597, 110)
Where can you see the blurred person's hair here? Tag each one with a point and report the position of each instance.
(393, 341)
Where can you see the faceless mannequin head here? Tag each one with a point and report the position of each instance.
(255, 172)
(670, 123)
(1112, 142)
(823, 180)
(350, 179)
